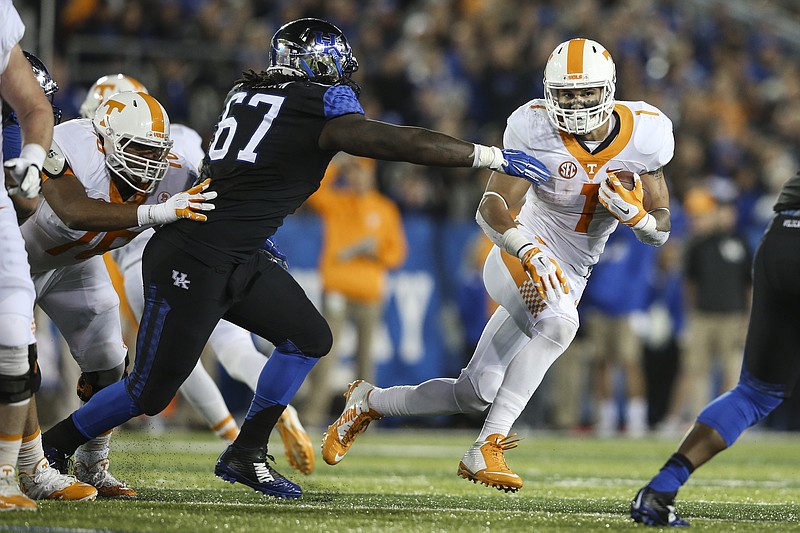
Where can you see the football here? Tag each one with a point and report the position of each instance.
(626, 179)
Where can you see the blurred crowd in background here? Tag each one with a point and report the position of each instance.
(725, 72)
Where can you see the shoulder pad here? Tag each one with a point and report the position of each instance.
(653, 137)
(55, 164)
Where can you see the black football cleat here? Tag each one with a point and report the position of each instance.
(656, 509)
(250, 467)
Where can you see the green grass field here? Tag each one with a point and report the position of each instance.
(404, 481)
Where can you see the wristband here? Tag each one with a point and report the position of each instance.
(647, 232)
(144, 215)
(513, 241)
(487, 157)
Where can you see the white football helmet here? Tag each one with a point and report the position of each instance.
(134, 129)
(105, 87)
(577, 64)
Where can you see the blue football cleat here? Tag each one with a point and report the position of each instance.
(656, 509)
(250, 467)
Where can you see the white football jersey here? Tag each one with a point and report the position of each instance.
(564, 212)
(187, 143)
(50, 243)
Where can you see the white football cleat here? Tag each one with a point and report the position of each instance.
(11, 497)
(47, 483)
(98, 476)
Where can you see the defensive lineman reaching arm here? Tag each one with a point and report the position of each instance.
(357, 135)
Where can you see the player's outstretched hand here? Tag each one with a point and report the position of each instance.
(546, 274)
(521, 165)
(186, 204)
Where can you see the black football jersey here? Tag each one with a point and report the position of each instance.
(264, 161)
(789, 198)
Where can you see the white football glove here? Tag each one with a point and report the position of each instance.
(546, 274)
(624, 204)
(183, 205)
(26, 171)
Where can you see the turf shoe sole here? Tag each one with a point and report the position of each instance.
(296, 442)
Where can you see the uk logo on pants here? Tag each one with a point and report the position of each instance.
(180, 280)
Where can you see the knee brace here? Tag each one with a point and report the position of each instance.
(89, 383)
(467, 398)
(740, 408)
(19, 387)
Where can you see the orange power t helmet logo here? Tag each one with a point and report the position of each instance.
(111, 105)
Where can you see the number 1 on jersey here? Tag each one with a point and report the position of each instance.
(589, 190)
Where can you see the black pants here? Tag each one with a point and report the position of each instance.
(184, 300)
(772, 349)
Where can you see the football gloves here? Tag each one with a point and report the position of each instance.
(275, 253)
(546, 274)
(515, 163)
(26, 171)
(624, 204)
(521, 165)
(185, 204)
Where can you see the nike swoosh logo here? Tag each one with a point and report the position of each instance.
(623, 210)
(338, 457)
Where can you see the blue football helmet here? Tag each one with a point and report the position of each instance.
(46, 82)
(313, 48)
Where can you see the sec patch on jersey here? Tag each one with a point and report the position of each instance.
(625, 177)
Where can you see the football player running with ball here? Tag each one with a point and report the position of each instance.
(278, 132)
(540, 264)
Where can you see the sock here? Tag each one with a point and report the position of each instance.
(64, 436)
(204, 395)
(9, 449)
(109, 408)
(256, 429)
(279, 380)
(636, 417)
(95, 450)
(31, 452)
(523, 376)
(673, 474)
(226, 429)
(432, 398)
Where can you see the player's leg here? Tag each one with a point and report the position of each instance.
(202, 393)
(237, 353)
(17, 386)
(770, 371)
(275, 307)
(81, 301)
(175, 326)
(17, 383)
(550, 329)
(199, 389)
(38, 479)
